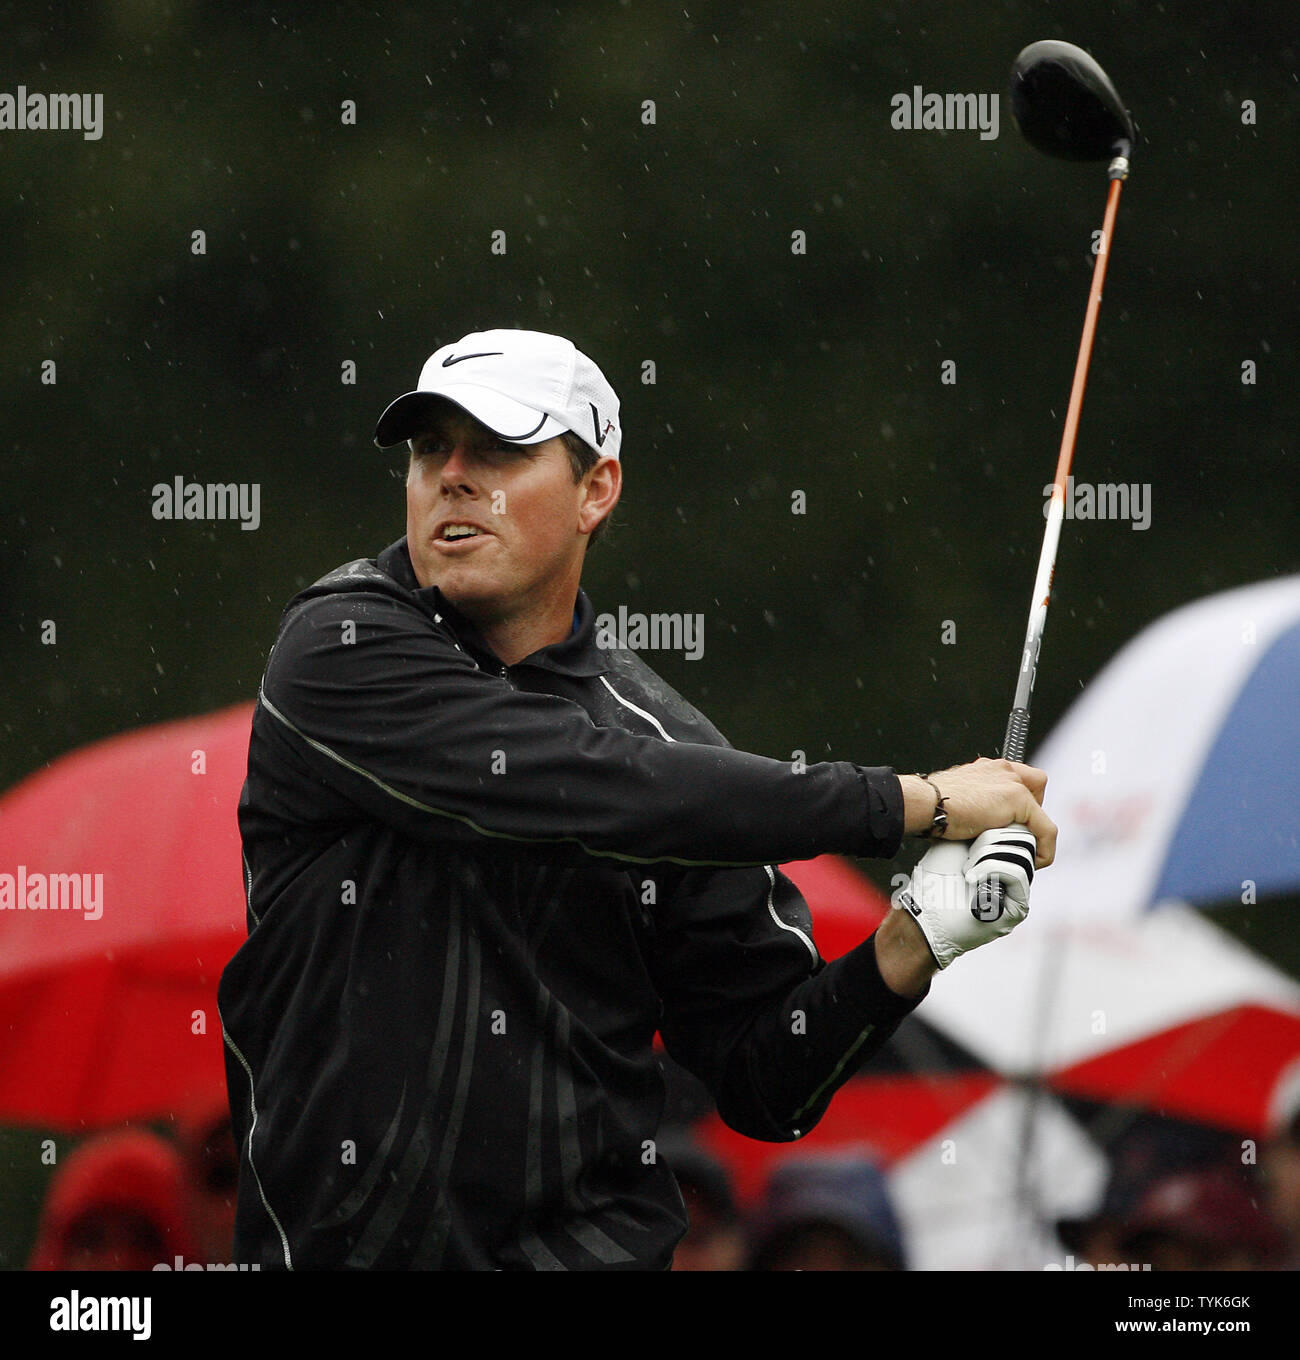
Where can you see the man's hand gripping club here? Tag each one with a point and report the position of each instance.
(996, 831)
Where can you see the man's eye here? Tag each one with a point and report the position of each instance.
(431, 448)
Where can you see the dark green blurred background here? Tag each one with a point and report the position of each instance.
(669, 243)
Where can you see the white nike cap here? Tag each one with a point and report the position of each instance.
(525, 386)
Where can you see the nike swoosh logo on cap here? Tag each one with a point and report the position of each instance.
(460, 358)
(595, 422)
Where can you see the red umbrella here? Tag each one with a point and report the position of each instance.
(121, 873)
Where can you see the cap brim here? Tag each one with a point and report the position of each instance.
(511, 420)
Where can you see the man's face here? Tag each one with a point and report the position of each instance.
(531, 518)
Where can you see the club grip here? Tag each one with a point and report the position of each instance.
(989, 898)
(1017, 736)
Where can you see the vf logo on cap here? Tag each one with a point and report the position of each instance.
(525, 386)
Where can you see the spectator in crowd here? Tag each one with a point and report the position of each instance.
(1200, 1220)
(1147, 1151)
(117, 1203)
(831, 1213)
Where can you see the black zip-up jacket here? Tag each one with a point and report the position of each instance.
(475, 892)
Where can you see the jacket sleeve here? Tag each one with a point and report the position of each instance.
(753, 1011)
(364, 696)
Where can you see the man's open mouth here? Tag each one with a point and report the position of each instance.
(459, 532)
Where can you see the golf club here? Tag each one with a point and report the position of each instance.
(1066, 106)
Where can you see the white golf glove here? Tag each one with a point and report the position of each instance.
(948, 895)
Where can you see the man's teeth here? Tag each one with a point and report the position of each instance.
(459, 531)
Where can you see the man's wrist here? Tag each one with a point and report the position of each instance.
(903, 957)
(920, 800)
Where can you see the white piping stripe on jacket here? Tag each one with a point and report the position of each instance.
(627, 703)
(252, 1104)
(771, 911)
(767, 868)
(248, 890)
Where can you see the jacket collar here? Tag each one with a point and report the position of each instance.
(576, 655)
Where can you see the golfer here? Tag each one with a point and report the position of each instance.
(488, 856)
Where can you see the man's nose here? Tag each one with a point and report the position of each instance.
(457, 468)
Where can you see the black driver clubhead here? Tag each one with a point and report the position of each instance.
(1065, 105)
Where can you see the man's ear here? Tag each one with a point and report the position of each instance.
(604, 484)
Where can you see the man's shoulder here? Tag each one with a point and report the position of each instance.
(340, 588)
(370, 609)
(636, 681)
(360, 574)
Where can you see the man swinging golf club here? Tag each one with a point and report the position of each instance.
(489, 856)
